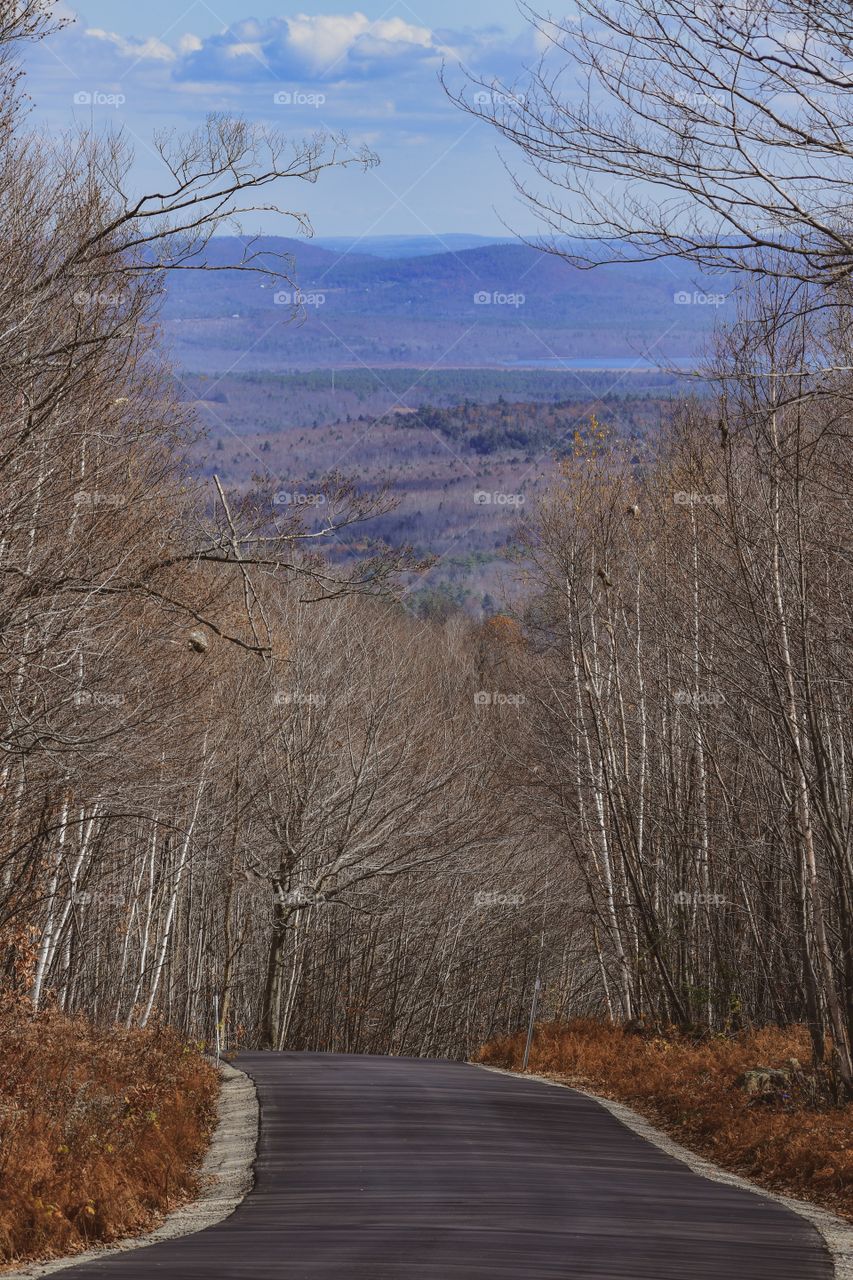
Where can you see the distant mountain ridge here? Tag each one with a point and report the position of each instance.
(407, 246)
(492, 304)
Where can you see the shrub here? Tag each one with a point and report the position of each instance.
(101, 1129)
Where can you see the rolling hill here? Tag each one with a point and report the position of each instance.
(490, 306)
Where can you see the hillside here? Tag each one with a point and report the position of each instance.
(462, 473)
(495, 305)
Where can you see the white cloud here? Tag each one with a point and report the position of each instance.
(190, 43)
(325, 39)
(396, 29)
(149, 50)
(383, 70)
(330, 47)
(245, 49)
(328, 42)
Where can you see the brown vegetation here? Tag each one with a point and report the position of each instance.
(101, 1130)
(785, 1139)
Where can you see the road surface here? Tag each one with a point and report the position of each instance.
(402, 1169)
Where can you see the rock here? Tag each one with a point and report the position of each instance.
(199, 641)
(761, 1082)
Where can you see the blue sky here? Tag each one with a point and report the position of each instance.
(371, 70)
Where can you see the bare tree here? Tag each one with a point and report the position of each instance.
(716, 132)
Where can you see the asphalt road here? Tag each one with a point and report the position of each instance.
(393, 1168)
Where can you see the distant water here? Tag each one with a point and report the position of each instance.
(618, 364)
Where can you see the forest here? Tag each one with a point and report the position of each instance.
(247, 788)
(268, 783)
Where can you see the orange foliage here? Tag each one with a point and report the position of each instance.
(691, 1090)
(588, 443)
(503, 630)
(101, 1130)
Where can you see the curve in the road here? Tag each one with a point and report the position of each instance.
(405, 1169)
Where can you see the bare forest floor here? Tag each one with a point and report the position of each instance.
(102, 1130)
(784, 1139)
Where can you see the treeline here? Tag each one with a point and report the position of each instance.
(693, 704)
(451, 386)
(550, 429)
(688, 696)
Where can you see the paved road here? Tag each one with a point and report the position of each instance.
(399, 1169)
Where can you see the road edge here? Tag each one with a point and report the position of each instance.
(836, 1233)
(227, 1174)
